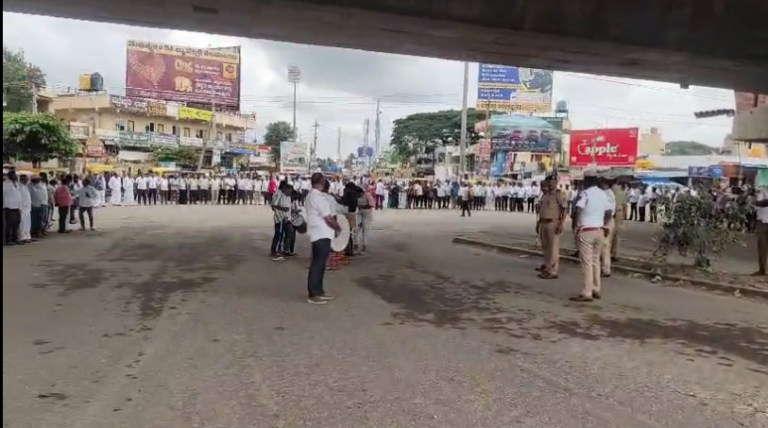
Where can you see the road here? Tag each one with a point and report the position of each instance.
(173, 317)
(637, 240)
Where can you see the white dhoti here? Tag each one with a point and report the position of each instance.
(100, 198)
(128, 198)
(115, 197)
(25, 227)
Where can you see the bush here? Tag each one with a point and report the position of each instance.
(697, 226)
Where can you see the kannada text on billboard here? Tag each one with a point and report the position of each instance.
(514, 89)
(604, 147)
(183, 74)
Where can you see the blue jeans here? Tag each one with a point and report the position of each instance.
(289, 238)
(321, 250)
(277, 239)
(38, 221)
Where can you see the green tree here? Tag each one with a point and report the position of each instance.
(32, 137)
(425, 132)
(277, 132)
(183, 156)
(688, 148)
(19, 77)
(697, 226)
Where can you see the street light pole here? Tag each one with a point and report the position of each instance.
(463, 139)
(294, 76)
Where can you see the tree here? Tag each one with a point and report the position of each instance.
(182, 156)
(277, 132)
(688, 148)
(425, 132)
(698, 226)
(350, 161)
(32, 137)
(19, 77)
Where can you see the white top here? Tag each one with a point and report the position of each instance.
(594, 202)
(152, 182)
(380, 189)
(464, 193)
(317, 209)
(141, 183)
(762, 212)
(11, 195)
(611, 199)
(26, 198)
(163, 184)
(87, 196)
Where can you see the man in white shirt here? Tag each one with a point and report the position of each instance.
(39, 196)
(593, 217)
(465, 199)
(761, 232)
(606, 254)
(634, 200)
(321, 228)
(194, 189)
(25, 228)
(11, 209)
(215, 185)
(532, 195)
(165, 190)
(381, 192)
(152, 185)
(141, 188)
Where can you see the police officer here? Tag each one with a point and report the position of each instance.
(549, 227)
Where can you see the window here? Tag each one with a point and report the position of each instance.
(187, 132)
(150, 127)
(120, 125)
(229, 137)
(199, 133)
(219, 136)
(131, 125)
(175, 130)
(161, 128)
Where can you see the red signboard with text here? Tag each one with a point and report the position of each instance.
(605, 147)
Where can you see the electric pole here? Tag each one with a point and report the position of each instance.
(212, 135)
(313, 149)
(338, 147)
(34, 98)
(463, 139)
(294, 76)
(377, 130)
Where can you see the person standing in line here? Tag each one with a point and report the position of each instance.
(605, 255)
(25, 227)
(51, 187)
(215, 185)
(128, 184)
(381, 192)
(173, 184)
(322, 228)
(465, 195)
(165, 191)
(183, 191)
(593, 216)
(654, 205)
(74, 188)
(761, 231)
(642, 202)
(549, 227)
(634, 199)
(63, 200)
(532, 193)
(152, 186)
(88, 197)
(39, 198)
(11, 209)
(141, 188)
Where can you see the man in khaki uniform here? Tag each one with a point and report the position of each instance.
(620, 216)
(549, 227)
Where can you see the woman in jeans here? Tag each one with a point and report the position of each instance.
(87, 197)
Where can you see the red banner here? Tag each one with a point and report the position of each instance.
(605, 147)
(178, 73)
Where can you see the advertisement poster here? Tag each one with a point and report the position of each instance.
(514, 89)
(185, 74)
(519, 133)
(604, 147)
(294, 157)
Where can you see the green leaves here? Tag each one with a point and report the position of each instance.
(698, 226)
(34, 137)
(183, 156)
(277, 132)
(19, 77)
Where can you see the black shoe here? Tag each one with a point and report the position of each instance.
(596, 296)
(581, 298)
(605, 275)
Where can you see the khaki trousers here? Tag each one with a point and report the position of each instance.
(550, 246)
(762, 246)
(590, 249)
(615, 236)
(605, 256)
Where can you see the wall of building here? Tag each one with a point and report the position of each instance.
(650, 143)
(751, 125)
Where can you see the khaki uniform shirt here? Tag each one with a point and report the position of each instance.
(551, 204)
(621, 202)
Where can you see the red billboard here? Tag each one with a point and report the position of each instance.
(605, 147)
(183, 74)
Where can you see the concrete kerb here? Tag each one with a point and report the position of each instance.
(712, 285)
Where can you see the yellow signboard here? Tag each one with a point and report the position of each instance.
(195, 114)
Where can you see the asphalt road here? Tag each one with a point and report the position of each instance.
(173, 317)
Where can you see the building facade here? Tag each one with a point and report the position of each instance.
(650, 143)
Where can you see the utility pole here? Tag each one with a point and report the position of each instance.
(313, 149)
(463, 139)
(338, 147)
(294, 76)
(377, 129)
(34, 98)
(212, 135)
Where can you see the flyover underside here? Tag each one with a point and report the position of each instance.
(654, 39)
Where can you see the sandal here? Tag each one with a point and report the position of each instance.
(548, 275)
(581, 298)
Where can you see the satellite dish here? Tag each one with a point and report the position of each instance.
(340, 242)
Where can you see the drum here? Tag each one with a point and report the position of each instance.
(297, 220)
(341, 241)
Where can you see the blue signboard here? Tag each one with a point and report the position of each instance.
(365, 152)
(519, 133)
(509, 88)
(714, 171)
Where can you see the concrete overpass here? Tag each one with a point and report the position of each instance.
(703, 42)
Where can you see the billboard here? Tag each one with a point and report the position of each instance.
(294, 157)
(605, 147)
(509, 88)
(518, 133)
(184, 74)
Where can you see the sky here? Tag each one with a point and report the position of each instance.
(339, 87)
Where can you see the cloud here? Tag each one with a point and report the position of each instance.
(339, 87)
